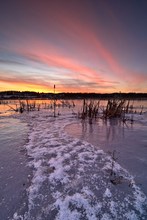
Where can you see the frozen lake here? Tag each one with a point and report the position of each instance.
(129, 143)
(68, 176)
(13, 170)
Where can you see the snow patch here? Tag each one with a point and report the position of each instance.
(71, 178)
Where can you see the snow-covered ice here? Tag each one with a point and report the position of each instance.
(71, 177)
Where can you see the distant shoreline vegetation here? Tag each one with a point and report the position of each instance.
(37, 95)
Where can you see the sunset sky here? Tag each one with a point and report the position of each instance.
(77, 45)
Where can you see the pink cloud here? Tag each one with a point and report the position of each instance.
(83, 38)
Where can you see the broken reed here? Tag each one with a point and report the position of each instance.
(115, 177)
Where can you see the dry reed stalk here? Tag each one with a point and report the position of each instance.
(89, 110)
(114, 108)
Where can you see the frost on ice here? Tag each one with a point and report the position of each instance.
(71, 178)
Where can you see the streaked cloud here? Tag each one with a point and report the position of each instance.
(51, 44)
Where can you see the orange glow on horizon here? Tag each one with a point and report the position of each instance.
(59, 88)
(20, 86)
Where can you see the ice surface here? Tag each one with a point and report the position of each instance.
(14, 172)
(72, 178)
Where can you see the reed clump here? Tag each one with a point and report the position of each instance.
(66, 103)
(90, 110)
(25, 106)
(28, 106)
(114, 108)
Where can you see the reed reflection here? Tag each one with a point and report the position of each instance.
(104, 131)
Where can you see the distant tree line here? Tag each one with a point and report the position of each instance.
(37, 95)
